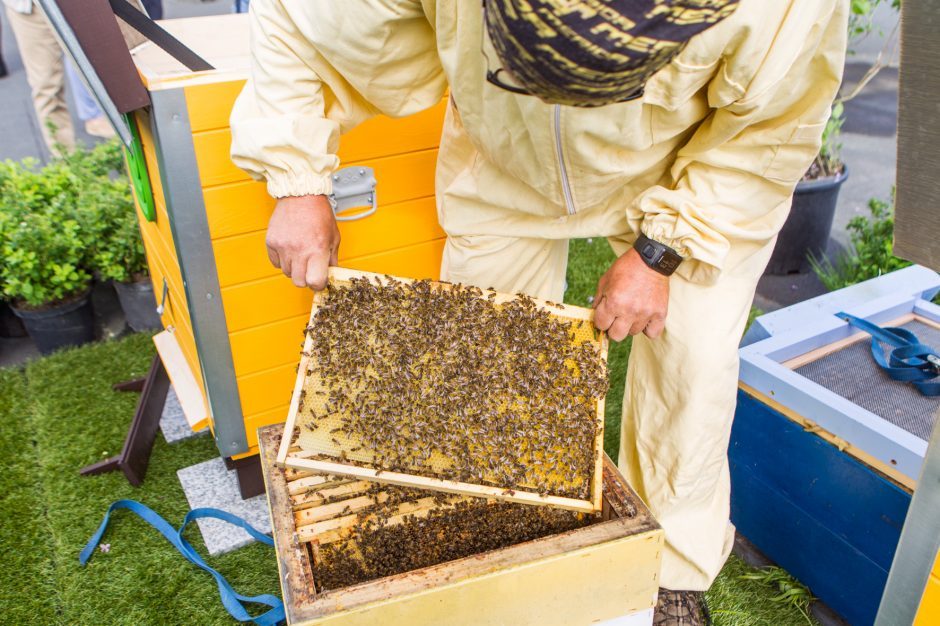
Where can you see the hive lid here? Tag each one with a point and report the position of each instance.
(222, 40)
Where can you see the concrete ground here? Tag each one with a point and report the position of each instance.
(869, 146)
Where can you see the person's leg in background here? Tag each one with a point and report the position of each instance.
(87, 109)
(3, 65)
(154, 8)
(678, 407)
(45, 73)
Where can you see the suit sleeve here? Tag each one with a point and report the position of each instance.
(318, 69)
(732, 181)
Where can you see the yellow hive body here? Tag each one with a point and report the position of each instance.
(264, 314)
(929, 612)
(608, 570)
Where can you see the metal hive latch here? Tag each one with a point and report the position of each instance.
(353, 187)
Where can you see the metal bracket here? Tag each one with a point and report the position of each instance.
(353, 187)
(162, 307)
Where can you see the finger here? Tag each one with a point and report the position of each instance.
(286, 264)
(273, 257)
(603, 316)
(598, 293)
(655, 328)
(298, 272)
(619, 330)
(334, 254)
(317, 270)
(639, 325)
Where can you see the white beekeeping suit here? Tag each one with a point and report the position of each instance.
(704, 162)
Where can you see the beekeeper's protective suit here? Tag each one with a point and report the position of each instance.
(704, 162)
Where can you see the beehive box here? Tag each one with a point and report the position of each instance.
(606, 571)
(825, 450)
(235, 321)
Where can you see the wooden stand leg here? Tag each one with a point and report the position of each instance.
(250, 480)
(135, 455)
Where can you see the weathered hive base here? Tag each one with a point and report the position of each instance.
(599, 572)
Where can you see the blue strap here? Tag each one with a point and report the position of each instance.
(908, 361)
(230, 598)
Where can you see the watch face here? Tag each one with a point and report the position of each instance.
(648, 251)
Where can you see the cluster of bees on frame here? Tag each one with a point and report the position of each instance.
(442, 380)
(382, 545)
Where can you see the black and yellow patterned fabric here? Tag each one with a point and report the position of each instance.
(593, 52)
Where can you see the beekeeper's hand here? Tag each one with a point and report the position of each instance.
(303, 239)
(631, 298)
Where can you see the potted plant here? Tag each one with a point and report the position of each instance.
(116, 253)
(805, 235)
(119, 254)
(44, 250)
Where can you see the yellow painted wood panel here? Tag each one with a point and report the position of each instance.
(586, 586)
(420, 261)
(263, 347)
(382, 136)
(254, 422)
(276, 298)
(244, 257)
(266, 390)
(379, 137)
(929, 612)
(209, 105)
(175, 311)
(238, 208)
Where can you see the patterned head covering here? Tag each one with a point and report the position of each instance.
(592, 52)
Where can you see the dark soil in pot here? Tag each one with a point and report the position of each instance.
(140, 308)
(71, 323)
(806, 231)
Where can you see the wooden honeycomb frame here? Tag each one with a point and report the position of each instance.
(299, 461)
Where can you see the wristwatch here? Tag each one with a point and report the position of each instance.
(657, 256)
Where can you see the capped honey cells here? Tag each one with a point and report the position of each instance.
(452, 382)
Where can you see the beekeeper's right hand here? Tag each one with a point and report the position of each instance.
(303, 239)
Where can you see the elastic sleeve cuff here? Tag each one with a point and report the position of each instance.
(285, 185)
(701, 259)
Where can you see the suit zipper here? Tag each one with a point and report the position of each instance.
(563, 170)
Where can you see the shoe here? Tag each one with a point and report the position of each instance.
(3, 68)
(681, 608)
(99, 127)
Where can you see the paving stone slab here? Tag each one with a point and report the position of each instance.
(173, 422)
(210, 484)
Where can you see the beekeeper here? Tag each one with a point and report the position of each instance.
(675, 128)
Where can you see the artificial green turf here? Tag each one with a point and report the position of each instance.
(27, 580)
(73, 418)
(59, 413)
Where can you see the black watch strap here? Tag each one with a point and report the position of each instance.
(658, 256)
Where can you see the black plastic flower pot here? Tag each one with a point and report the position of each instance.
(140, 309)
(806, 231)
(11, 327)
(60, 326)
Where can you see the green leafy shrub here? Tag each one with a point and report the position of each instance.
(42, 242)
(61, 223)
(829, 160)
(870, 254)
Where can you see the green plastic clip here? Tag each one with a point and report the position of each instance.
(137, 168)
